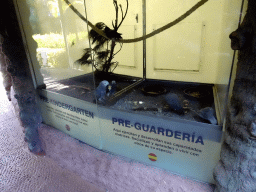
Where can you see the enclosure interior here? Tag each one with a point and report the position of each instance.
(182, 72)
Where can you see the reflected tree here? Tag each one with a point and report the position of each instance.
(104, 48)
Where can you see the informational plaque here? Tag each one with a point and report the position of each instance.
(184, 147)
(72, 116)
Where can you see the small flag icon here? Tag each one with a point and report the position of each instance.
(152, 157)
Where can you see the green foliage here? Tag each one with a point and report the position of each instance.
(51, 40)
(56, 58)
(56, 41)
(53, 7)
(54, 46)
(72, 38)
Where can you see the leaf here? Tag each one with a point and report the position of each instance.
(98, 47)
(97, 38)
(112, 33)
(86, 58)
(102, 55)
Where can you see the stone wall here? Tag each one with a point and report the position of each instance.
(23, 87)
(236, 171)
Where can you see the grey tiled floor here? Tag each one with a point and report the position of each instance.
(22, 171)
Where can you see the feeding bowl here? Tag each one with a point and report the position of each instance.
(153, 90)
(197, 93)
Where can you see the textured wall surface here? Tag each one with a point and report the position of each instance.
(236, 171)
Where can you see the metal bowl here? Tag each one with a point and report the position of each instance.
(197, 93)
(153, 90)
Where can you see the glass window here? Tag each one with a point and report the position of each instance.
(160, 100)
(182, 72)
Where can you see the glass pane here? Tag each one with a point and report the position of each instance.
(123, 19)
(191, 61)
(195, 49)
(61, 38)
(161, 99)
(187, 66)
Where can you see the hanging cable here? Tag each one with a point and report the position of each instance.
(169, 25)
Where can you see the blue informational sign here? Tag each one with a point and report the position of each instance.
(184, 147)
(72, 116)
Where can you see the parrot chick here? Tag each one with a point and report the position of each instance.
(101, 91)
(174, 103)
(111, 89)
(208, 114)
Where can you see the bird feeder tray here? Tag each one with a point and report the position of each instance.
(197, 93)
(153, 90)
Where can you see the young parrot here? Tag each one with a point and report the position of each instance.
(208, 114)
(101, 91)
(111, 88)
(174, 103)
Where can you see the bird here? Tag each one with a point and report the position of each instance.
(101, 91)
(207, 113)
(111, 88)
(174, 103)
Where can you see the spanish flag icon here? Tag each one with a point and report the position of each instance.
(152, 157)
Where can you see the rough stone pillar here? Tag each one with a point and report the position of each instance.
(236, 170)
(25, 94)
(29, 113)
